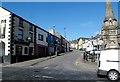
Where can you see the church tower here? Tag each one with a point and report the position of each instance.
(109, 31)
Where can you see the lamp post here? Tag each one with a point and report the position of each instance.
(97, 52)
(56, 47)
(29, 39)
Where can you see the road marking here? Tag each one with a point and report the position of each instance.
(45, 68)
(47, 77)
(37, 76)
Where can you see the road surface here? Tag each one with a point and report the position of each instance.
(69, 66)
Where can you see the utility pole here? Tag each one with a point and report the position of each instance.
(65, 32)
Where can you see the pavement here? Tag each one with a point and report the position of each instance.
(31, 62)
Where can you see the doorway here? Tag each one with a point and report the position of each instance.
(2, 51)
(18, 53)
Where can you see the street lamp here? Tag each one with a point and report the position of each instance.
(29, 39)
(56, 41)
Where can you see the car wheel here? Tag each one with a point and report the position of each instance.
(113, 75)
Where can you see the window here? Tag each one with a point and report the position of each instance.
(25, 50)
(3, 21)
(119, 44)
(3, 28)
(19, 50)
(31, 27)
(46, 39)
(31, 35)
(20, 22)
(30, 50)
(40, 37)
(20, 34)
(3, 35)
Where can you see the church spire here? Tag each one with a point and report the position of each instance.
(109, 28)
(109, 11)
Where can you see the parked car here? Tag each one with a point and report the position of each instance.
(95, 51)
(109, 64)
(82, 49)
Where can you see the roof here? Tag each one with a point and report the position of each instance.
(74, 41)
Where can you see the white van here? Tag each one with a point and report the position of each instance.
(109, 64)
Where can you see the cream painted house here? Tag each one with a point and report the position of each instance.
(81, 41)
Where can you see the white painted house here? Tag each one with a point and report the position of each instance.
(92, 43)
(5, 28)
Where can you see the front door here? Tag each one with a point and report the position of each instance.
(18, 53)
(30, 52)
(2, 51)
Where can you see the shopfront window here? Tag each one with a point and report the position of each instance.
(25, 50)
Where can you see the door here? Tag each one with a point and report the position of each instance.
(30, 52)
(2, 51)
(18, 53)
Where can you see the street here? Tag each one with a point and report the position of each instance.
(69, 66)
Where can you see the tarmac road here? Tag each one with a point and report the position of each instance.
(69, 66)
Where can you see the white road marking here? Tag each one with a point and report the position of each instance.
(47, 77)
(37, 76)
(45, 68)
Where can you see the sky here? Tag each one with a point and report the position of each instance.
(81, 19)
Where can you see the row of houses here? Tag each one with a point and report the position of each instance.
(90, 43)
(90, 46)
(74, 44)
(87, 43)
(21, 40)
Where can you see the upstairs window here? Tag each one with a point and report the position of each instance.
(20, 34)
(20, 22)
(31, 27)
(3, 28)
(3, 21)
(31, 36)
(3, 35)
(40, 37)
(46, 39)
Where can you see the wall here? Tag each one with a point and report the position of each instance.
(45, 35)
(26, 32)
